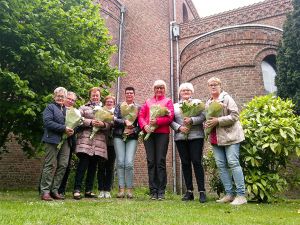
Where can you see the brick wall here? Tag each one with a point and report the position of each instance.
(233, 56)
(145, 59)
(16, 170)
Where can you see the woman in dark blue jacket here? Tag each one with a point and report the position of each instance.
(54, 127)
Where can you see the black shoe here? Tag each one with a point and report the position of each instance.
(90, 195)
(161, 196)
(189, 196)
(202, 197)
(153, 196)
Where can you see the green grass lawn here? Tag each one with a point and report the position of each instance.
(25, 207)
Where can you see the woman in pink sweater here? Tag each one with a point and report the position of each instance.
(157, 144)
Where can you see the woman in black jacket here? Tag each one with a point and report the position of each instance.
(125, 148)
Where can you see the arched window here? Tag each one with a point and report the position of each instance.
(268, 67)
(185, 15)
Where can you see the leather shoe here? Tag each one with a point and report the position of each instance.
(46, 197)
(189, 196)
(57, 196)
(202, 197)
(90, 195)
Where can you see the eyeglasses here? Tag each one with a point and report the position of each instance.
(186, 90)
(213, 85)
(71, 99)
(159, 87)
(59, 96)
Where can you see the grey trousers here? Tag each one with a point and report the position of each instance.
(56, 162)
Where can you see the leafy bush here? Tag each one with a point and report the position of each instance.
(272, 133)
(211, 169)
(46, 44)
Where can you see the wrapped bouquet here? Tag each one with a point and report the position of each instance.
(190, 109)
(155, 112)
(73, 119)
(130, 113)
(213, 110)
(103, 115)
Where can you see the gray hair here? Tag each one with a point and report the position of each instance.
(59, 90)
(160, 83)
(72, 93)
(186, 86)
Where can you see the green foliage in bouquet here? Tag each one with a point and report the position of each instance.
(190, 109)
(213, 110)
(73, 119)
(103, 115)
(155, 112)
(130, 113)
(272, 133)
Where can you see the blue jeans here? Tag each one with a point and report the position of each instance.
(227, 160)
(125, 153)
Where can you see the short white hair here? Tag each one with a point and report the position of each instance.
(72, 93)
(59, 90)
(186, 86)
(160, 83)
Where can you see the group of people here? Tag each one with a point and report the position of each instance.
(98, 155)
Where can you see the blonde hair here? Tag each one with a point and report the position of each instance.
(94, 89)
(160, 83)
(214, 79)
(109, 97)
(186, 86)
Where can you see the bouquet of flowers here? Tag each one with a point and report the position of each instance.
(103, 115)
(130, 113)
(213, 110)
(189, 109)
(155, 112)
(73, 119)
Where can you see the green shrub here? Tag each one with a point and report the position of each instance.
(272, 132)
(211, 169)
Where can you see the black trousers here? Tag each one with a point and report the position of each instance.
(191, 152)
(156, 150)
(89, 163)
(105, 173)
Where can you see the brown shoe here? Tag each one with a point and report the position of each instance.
(121, 193)
(46, 197)
(57, 196)
(129, 193)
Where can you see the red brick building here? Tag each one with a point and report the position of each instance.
(159, 41)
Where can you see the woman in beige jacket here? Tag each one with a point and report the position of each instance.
(226, 135)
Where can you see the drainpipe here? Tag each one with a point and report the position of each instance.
(120, 51)
(172, 93)
(173, 99)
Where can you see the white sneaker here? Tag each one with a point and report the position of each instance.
(225, 199)
(239, 200)
(107, 194)
(102, 194)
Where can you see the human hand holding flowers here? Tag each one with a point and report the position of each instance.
(101, 115)
(155, 112)
(73, 119)
(213, 111)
